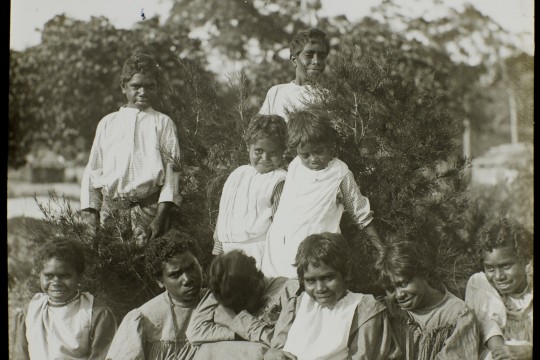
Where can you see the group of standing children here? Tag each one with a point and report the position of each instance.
(278, 283)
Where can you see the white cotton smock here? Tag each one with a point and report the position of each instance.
(283, 97)
(322, 333)
(61, 332)
(308, 205)
(245, 210)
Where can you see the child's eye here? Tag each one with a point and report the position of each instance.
(258, 151)
(488, 267)
(309, 281)
(304, 156)
(507, 267)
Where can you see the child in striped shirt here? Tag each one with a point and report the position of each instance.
(132, 157)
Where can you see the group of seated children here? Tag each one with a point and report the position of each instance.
(247, 315)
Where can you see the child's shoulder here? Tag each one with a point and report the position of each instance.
(278, 87)
(479, 282)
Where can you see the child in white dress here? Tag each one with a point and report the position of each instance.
(251, 193)
(318, 188)
(62, 322)
(502, 295)
(326, 321)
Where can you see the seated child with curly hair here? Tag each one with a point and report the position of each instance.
(157, 329)
(251, 193)
(235, 320)
(502, 294)
(62, 322)
(327, 321)
(428, 321)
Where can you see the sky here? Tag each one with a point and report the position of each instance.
(29, 16)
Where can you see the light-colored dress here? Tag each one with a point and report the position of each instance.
(131, 161)
(81, 329)
(283, 97)
(356, 327)
(509, 317)
(310, 204)
(246, 210)
(447, 330)
(220, 342)
(154, 331)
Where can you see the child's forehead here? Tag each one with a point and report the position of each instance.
(317, 267)
(500, 254)
(55, 263)
(314, 42)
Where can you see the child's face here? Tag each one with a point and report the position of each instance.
(324, 284)
(505, 271)
(265, 155)
(410, 294)
(314, 156)
(140, 91)
(58, 280)
(182, 277)
(311, 61)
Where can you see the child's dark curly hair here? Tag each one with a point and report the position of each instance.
(505, 233)
(310, 126)
(406, 258)
(267, 127)
(302, 38)
(164, 248)
(61, 248)
(236, 282)
(328, 248)
(140, 63)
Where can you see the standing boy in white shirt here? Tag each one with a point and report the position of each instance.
(131, 161)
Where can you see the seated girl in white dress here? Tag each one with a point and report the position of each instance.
(326, 321)
(502, 295)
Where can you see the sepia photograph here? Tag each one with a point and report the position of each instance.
(270, 179)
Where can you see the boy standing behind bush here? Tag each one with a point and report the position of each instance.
(309, 50)
(131, 161)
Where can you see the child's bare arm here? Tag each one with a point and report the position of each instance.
(373, 235)
(159, 225)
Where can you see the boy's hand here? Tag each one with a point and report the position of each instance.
(278, 354)
(91, 216)
(159, 225)
(513, 352)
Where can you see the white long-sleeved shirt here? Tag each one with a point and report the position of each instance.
(132, 158)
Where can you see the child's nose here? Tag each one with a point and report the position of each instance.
(499, 274)
(320, 286)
